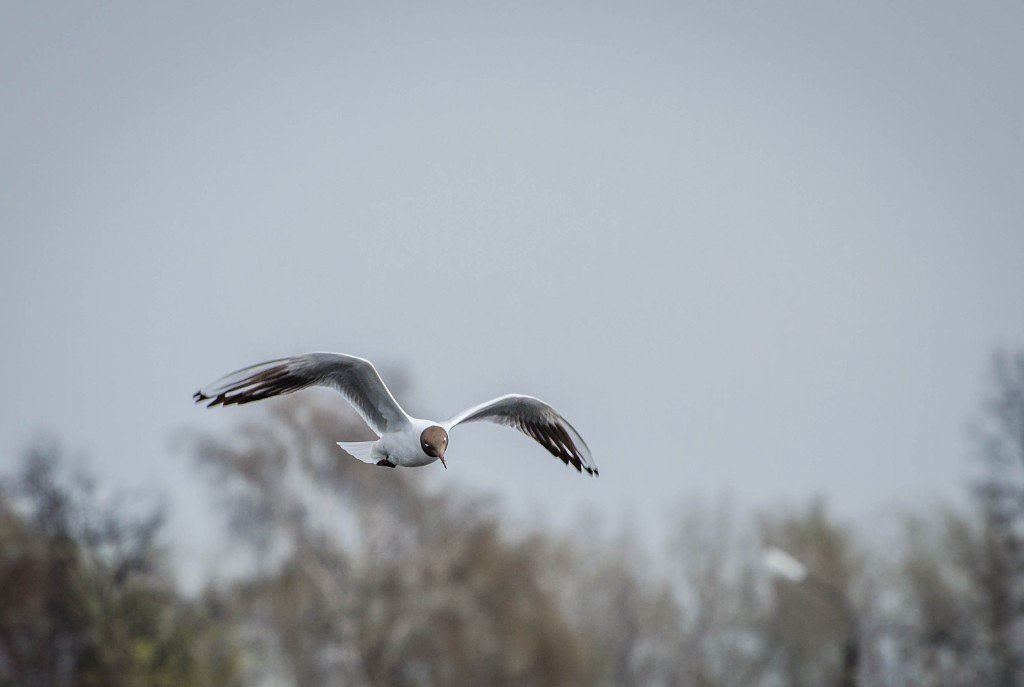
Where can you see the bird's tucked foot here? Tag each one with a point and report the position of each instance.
(384, 462)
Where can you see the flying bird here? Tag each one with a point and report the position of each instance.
(402, 440)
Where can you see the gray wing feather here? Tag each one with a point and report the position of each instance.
(356, 379)
(537, 420)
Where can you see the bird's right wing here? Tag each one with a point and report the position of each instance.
(356, 379)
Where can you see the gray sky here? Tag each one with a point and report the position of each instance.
(757, 247)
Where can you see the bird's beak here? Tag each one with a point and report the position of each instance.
(442, 461)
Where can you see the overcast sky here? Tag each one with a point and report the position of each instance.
(761, 248)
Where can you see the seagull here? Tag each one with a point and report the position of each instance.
(402, 440)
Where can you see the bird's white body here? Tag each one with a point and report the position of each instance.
(402, 440)
(402, 446)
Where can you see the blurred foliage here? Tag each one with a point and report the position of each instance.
(358, 575)
(85, 595)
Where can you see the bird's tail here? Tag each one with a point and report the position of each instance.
(360, 450)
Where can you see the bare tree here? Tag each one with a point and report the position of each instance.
(363, 577)
(935, 626)
(627, 620)
(725, 606)
(810, 634)
(998, 563)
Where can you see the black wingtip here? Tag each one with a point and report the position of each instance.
(200, 397)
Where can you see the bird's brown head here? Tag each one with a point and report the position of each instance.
(434, 441)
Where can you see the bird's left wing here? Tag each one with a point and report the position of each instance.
(538, 420)
(355, 378)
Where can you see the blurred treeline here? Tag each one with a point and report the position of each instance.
(357, 575)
